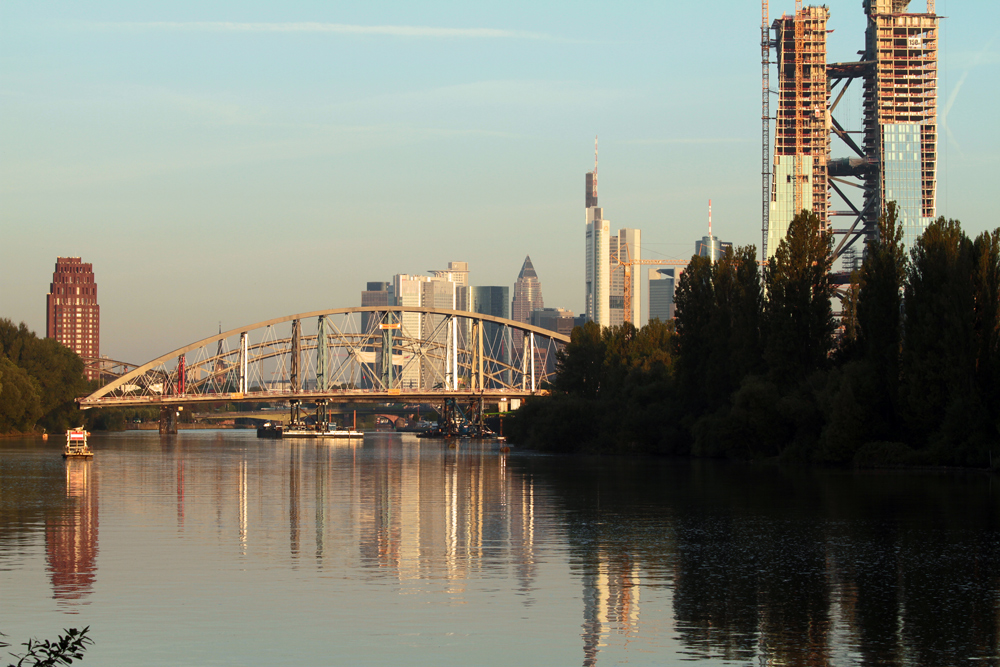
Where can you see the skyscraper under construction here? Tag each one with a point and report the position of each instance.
(801, 131)
(897, 158)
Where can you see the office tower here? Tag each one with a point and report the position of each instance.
(497, 339)
(901, 112)
(527, 293)
(627, 245)
(377, 294)
(661, 293)
(527, 297)
(802, 134)
(431, 292)
(597, 281)
(457, 272)
(559, 320)
(703, 248)
(72, 315)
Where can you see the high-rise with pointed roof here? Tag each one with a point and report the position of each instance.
(527, 297)
(527, 293)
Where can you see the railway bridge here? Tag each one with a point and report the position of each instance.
(368, 354)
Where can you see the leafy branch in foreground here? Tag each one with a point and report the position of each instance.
(63, 651)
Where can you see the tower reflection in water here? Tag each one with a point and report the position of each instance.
(71, 537)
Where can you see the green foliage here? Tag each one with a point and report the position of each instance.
(798, 314)
(56, 374)
(613, 392)
(63, 651)
(20, 403)
(719, 317)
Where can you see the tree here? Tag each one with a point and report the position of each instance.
(580, 366)
(20, 404)
(695, 307)
(943, 407)
(798, 315)
(879, 316)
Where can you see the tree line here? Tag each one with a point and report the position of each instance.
(755, 364)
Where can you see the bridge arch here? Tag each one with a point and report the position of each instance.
(363, 353)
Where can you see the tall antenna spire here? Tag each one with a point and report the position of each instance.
(595, 165)
(711, 239)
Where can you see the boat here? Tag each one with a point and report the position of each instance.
(76, 444)
(302, 430)
(404, 425)
(270, 430)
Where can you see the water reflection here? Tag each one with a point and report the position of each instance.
(71, 537)
(650, 562)
(791, 567)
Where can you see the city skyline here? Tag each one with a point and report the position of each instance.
(236, 163)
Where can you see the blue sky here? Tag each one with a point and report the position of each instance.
(237, 161)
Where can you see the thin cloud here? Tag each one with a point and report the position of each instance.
(691, 140)
(327, 28)
(978, 59)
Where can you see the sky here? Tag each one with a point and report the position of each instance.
(231, 162)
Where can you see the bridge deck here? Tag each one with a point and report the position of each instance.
(335, 396)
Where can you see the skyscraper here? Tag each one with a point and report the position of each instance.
(527, 293)
(901, 112)
(597, 283)
(72, 315)
(897, 158)
(802, 135)
(626, 244)
(527, 297)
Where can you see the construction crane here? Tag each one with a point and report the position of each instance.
(627, 265)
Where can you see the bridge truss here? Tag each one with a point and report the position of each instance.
(361, 354)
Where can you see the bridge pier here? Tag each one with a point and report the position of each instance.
(168, 420)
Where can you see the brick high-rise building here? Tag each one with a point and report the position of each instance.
(72, 315)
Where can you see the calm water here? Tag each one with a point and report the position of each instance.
(215, 548)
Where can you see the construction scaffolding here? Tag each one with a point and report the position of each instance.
(897, 158)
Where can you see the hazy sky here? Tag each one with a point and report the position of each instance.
(237, 161)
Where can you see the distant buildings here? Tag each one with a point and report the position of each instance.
(449, 289)
(704, 247)
(661, 293)
(72, 315)
(559, 320)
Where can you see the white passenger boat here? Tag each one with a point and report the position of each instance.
(76, 444)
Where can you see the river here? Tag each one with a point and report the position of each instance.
(216, 548)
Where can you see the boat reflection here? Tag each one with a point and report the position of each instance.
(71, 537)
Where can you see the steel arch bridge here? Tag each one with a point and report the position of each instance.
(360, 354)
